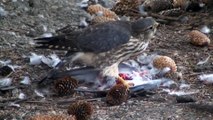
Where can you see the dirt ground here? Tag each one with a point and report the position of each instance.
(29, 19)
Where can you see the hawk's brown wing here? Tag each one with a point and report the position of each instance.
(98, 38)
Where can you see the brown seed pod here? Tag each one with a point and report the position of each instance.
(187, 5)
(199, 39)
(160, 62)
(172, 12)
(52, 117)
(101, 19)
(127, 7)
(95, 9)
(66, 86)
(180, 3)
(157, 5)
(117, 94)
(208, 3)
(81, 109)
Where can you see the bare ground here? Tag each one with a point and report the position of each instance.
(27, 21)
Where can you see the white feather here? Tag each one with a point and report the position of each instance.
(26, 81)
(35, 59)
(5, 82)
(22, 96)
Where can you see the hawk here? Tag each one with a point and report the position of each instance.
(104, 46)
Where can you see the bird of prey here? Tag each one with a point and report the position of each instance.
(104, 46)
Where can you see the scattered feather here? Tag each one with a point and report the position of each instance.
(205, 29)
(22, 96)
(5, 62)
(3, 13)
(5, 82)
(184, 86)
(83, 3)
(152, 84)
(201, 4)
(206, 78)
(38, 93)
(40, 15)
(35, 59)
(14, 105)
(204, 61)
(44, 27)
(168, 84)
(26, 81)
(52, 60)
(13, 67)
(180, 93)
(83, 22)
(47, 35)
(12, 33)
(32, 42)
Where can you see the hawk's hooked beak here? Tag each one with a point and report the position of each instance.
(156, 25)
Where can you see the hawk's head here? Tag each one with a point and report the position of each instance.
(146, 26)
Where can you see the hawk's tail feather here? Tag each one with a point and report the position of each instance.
(55, 43)
(81, 74)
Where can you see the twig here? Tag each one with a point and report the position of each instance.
(8, 104)
(158, 16)
(14, 30)
(72, 100)
(38, 102)
(164, 17)
(207, 107)
(5, 41)
(8, 99)
(194, 74)
(12, 87)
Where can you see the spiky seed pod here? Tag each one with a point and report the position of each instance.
(127, 7)
(52, 117)
(172, 12)
(193, 5)
(5, 70)
(66, 85)
(208, 3)
(117, 94)
(180, 3)
(81, 109)
(160, 62)
(101, 19)
(98, 9)
(157, 5)
(199, 39)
